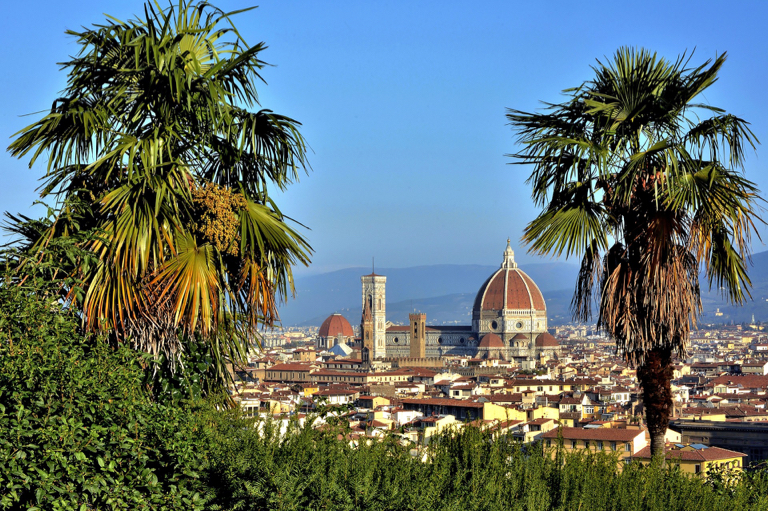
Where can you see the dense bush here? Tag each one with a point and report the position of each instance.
(77, 428)
(465, 471)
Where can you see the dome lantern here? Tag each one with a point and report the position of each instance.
(509, 258)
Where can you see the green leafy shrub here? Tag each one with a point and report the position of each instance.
(257, 468)
(78, 429)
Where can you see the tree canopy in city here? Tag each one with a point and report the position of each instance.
(161, 161)
(645, 183)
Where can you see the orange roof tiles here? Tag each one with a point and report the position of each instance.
(509, 289)
(334, 325)
(606, 434)
(491, 340)
(546, 340)
(708, 454)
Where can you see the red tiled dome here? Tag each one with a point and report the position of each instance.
(491, 340)
(509, 288)
(546, 340)
(334, 325)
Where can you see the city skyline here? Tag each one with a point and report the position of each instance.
(403, 107)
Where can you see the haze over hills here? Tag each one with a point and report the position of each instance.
(432, 289)
(446, 293)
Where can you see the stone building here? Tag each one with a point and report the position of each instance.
(334, 330)
(509, 322)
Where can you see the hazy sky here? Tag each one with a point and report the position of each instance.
(403, 104)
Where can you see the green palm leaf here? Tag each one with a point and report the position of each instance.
(154, 111)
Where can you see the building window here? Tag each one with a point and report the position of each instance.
(494, 325)
(549, 442)
(573, 444)
(586, 444)
(628, 447)
(697, 469)
(600, 445)
(461, 340)
(613, 446)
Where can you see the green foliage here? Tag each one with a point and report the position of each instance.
(192, 379)
(77, 428)
(464, 470)
(646, 186)
(158, 143)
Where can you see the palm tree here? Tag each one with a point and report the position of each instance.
(647, 187)
(153, 150)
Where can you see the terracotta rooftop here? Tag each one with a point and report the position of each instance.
(750, 381)
(297, 367)
(461, 403)
(509, 288)
(689, 453)
(491, 340)
(546, 340)
(334, 325)
(606, 434)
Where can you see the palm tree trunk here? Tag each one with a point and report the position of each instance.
(655, 376)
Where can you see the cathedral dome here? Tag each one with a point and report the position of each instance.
(509, 288)
(546, 340)
(491, 340)
(335, 325)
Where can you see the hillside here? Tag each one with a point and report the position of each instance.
(446, 293)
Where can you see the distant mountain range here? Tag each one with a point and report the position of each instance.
(446, 294)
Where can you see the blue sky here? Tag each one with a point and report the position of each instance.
(403, 104)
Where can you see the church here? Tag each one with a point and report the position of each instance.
(509, 322)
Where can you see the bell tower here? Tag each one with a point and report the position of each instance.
(374, 299)
(418, 334)
(366, 333)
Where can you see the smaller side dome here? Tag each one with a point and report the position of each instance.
(520, 337)
(546, 340)
(335, 325)
(491, 340)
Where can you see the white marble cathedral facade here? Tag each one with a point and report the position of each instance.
(509, 321)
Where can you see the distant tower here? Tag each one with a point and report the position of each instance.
(374, 298)
(366, 334)
(418, 334)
